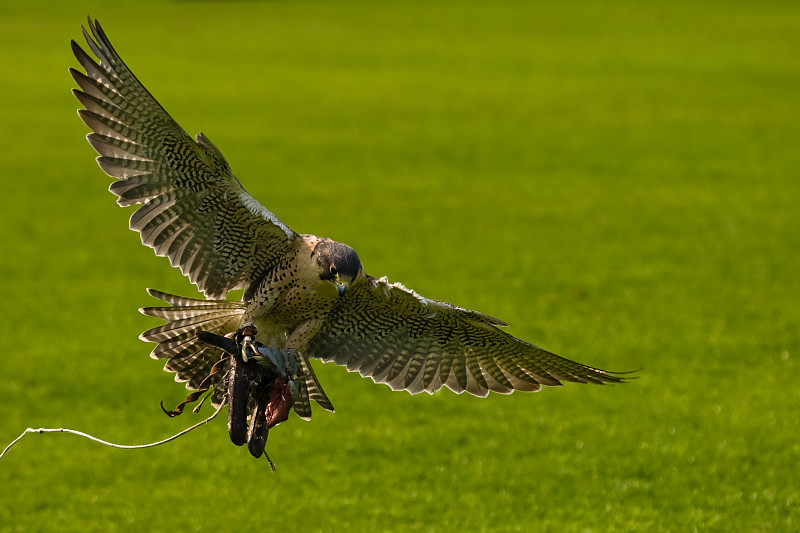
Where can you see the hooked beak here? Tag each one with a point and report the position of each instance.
(342, 288)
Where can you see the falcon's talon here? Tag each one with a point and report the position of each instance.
(247, 344)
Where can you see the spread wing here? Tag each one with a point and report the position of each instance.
(193, 210)
(395, 336)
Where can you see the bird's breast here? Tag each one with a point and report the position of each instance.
(291, 294)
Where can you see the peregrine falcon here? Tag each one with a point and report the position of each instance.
(304, 296)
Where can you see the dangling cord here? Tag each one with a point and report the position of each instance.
(106, 443)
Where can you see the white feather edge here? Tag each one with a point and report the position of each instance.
(257, 209)
(483, 319)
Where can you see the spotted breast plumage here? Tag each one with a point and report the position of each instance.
(302, 293)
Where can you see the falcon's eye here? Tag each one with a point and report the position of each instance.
(333, 270)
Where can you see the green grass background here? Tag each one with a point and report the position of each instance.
(619, 180)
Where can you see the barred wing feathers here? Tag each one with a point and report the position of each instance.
(192, 208)
(397, 337)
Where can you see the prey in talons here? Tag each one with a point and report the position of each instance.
(260, 386)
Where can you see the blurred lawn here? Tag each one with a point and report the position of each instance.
(618, 180)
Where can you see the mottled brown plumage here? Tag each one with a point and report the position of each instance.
(301, 292)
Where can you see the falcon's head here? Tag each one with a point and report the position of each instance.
(337, 263)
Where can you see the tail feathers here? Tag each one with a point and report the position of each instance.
(188, 358)
(184, 301)
(310, 389)
(185, 328)
(302, 405)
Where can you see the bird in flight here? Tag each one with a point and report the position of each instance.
(305, 297)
